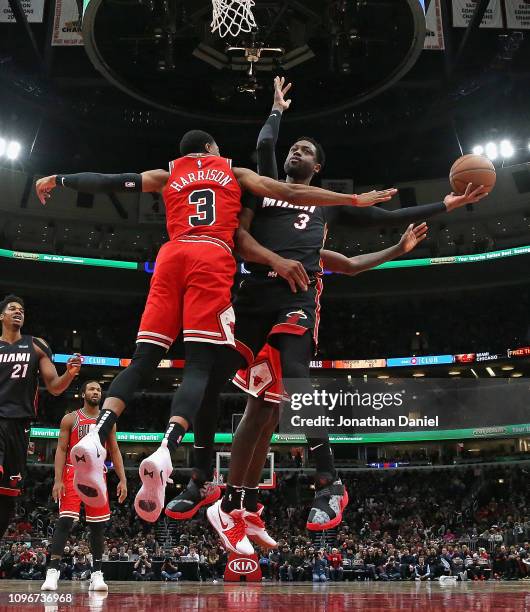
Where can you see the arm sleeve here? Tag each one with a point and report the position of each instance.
(266, 147)
(43, 346)
(366, 217)
(93, 182)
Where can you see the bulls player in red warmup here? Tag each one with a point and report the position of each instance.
(190, 292)
(22, 359)
(75, 426)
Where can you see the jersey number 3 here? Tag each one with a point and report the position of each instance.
(204, 202)
(302, 222)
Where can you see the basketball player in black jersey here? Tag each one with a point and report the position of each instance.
(22, 359)
(266, 309)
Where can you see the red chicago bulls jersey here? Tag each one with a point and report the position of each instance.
(81, 427)
(202, 197)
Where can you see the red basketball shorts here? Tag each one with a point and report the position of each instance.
(190, 292)
(70, 504)
(263, 378)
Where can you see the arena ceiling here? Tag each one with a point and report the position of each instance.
(151, 69)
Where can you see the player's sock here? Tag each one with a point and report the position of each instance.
(323, 455)
(7, 511)
(202, 461)
(233, 498)
(62, 530)
(250, 498)
(174, 434)
(97, 543)
(104, 424)
(54, 563)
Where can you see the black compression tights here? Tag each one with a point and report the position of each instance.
(295, 355)
(207, 369)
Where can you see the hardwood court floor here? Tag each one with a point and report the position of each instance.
(293, 597)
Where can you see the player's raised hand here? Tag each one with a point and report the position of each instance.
(293, 272)
(73, 365)
(44, 187)
(280, 90)
(121, 491)
(470, 196)
(412, 237)
(58, 491)
(374, 197)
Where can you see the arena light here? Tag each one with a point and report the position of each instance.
(418, 375)
(13, 149)
(507, 368)
(454, 372)
(490, 371)
(478, 150)
(507, 149)
(516, 375)
(3, 146)
(492, 151)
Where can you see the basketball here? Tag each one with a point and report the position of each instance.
(475, 169)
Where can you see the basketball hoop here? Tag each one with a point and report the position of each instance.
(232, 17)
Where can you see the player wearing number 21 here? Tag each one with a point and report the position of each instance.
(190, 292)
(22, 359)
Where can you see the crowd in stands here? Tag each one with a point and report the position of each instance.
(351, 327)
(452, 524)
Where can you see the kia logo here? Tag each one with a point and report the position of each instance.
(243, 566)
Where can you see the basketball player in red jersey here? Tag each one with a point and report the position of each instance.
(190, 292)
(75, 426)
(22, 359)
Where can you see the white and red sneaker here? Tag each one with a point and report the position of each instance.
(88, 458)
(255, 529)
(155, 471)
(231, 528)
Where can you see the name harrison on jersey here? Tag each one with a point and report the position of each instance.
(15, 357)
(218, 176)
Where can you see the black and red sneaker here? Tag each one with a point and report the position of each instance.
(194, 497)
(330, 500)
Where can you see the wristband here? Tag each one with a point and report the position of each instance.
(59, 180)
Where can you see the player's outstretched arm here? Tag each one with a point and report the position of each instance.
(117, 461)
(336, 262)
(268, 136)
(54, 383)
(306, 195)
(93, 182)
(60, 455)
(380, 217)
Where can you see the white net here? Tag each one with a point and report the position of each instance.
(232, 17)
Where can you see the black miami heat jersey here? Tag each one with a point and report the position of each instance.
(292, 231)
(19, 379)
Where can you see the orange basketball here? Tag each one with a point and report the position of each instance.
(475, 169)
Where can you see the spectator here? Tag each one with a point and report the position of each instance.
(422, 571)
(320, 565)
(81, 567)
(336, 571)
(143, 568)
(170, 570)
